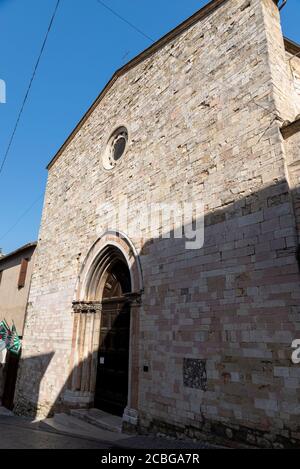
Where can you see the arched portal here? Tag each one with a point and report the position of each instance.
(104, 359)
(112, 265)
(111, 393)
(116, 281)
(110, 247)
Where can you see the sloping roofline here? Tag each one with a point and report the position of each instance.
(18, 251)
(291, 46)
(200, 14)
(204, 11)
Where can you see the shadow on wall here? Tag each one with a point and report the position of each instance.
(88, 385)
(215, 327)
(33, 370)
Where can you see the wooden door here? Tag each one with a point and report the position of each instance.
(113, 359)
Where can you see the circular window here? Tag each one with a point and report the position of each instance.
(115, 147)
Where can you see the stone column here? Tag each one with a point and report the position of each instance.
(83, 363)
(131, 412)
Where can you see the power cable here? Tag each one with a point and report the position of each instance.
(21, 217)
(28, 89)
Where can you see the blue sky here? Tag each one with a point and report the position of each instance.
(86, 45)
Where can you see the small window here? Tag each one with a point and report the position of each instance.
(119, 146)
(115, 148)
(23, 272)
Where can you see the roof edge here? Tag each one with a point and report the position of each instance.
(18, 251)
(290, 128)
(291, 46)
(186, 24)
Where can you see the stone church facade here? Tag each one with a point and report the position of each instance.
(187, 341)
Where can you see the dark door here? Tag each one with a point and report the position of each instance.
(113, 357)
(10, 378)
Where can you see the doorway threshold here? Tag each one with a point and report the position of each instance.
(99, 418)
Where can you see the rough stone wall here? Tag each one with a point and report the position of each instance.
(202, 114)
(280, 82)
(293, 63)
(292, 151)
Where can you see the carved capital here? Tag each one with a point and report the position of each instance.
(135, 298)
(87, 307)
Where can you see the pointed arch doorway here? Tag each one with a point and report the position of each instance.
(104, 362)
(111, 393)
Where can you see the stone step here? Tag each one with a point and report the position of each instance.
(5, 412)
(69, 424)
(99, 418)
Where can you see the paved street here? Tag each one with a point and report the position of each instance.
(16, 433)
(20, 433)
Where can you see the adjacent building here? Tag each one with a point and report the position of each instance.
(124, 315)
(15, 277)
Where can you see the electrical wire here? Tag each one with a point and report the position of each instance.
(4, 159)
